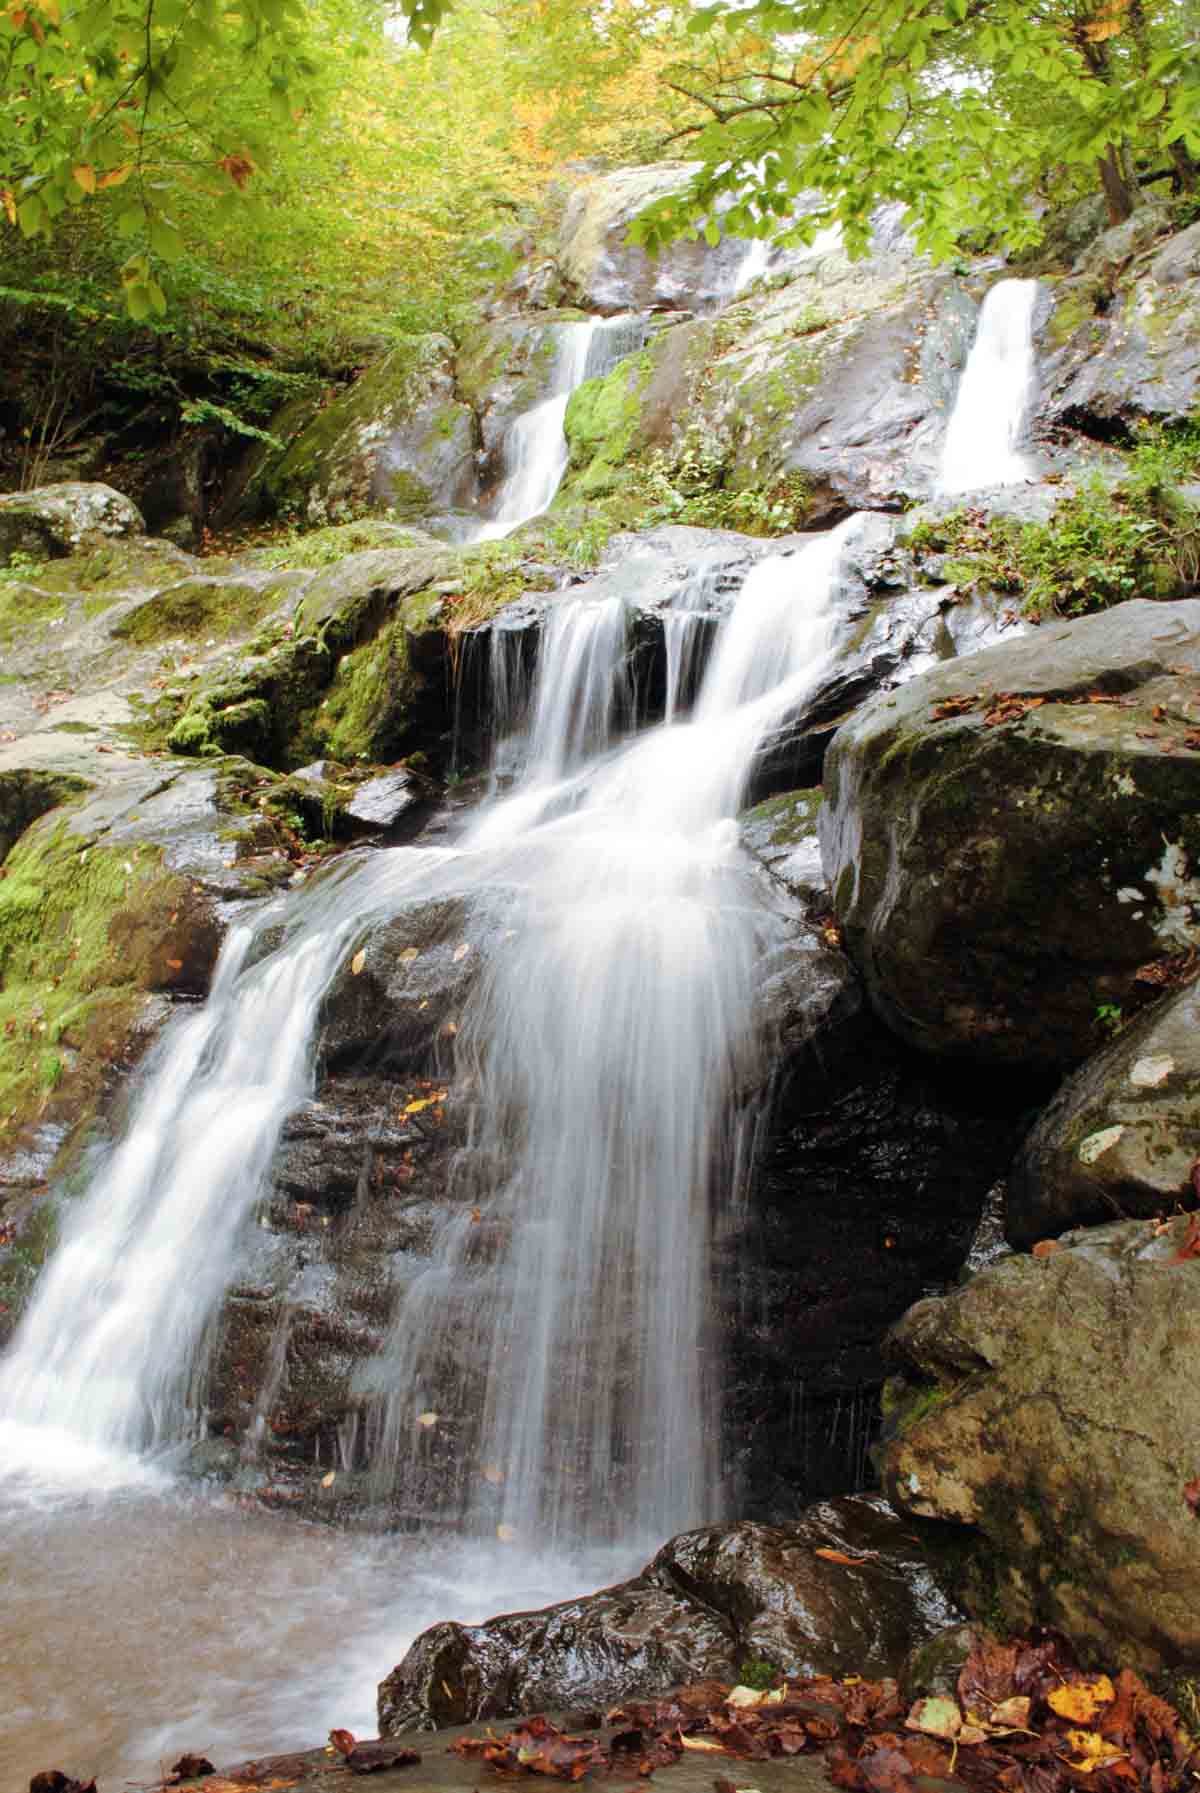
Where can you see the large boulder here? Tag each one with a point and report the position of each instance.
(711, 1603)
(833, 389)
(60, 519)
(603, 271)
(1011, 838)
(400, 440)
(1122, 1137)
(1120, 342)
(1052, 1406)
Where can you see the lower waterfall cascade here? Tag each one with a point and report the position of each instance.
(606, 1046)
(607, 1035)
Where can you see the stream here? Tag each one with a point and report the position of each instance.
(606, 1043)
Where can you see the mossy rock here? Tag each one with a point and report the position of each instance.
(950, 817)
(87, 931)
(206, 604)
(398, 440)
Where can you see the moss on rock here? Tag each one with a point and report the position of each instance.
(85, 933)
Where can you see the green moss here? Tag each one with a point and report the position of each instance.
(198, 606)
(602, 422)
(317, 548)
(363, 714)
(83, 935)
(20, 1264)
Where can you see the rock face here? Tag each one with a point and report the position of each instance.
(1120, 343)
(711, 1602)
(1065, 763)
(1123, 1134)
(1051, 1405)
(399, 440)
(59, 519)
(837, 385)
(604, 272)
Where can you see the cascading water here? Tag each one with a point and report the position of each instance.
(535, 448)
(111, 1354)
(563, 1318)
(994, 395)
(606, 1043)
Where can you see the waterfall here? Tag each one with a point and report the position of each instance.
(535, 447)
(110, 1356)
(560, 1329)
(994, 395)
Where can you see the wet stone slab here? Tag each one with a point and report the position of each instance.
(321, 1771)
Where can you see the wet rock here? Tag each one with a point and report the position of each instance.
(949, 816)
(503, 368)
(1049, 1407)
(381, 802)
(709, 1602)
(1122, 1137)
(399, 440)
(873, 1167)
(60, 519)
(782, 835)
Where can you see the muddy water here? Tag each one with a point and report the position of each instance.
(140, 1621)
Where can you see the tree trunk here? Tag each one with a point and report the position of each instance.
(1186, 167)
(1117, 192)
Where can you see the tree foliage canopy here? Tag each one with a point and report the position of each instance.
(965, 111)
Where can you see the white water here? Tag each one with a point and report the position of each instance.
(991, 407)
(535, 448)
(603, 1051)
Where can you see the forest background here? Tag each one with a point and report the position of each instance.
(205, 208)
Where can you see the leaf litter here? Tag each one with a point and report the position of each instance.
(1024, 1719)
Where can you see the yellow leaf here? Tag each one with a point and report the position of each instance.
(506, 1533)
(358, 961)
(8, 199)
(327, 1481)
(408, 955)
(1081, 1700)
(935, 1717)
(1091, 1751)
(116, 177)
(85, 177)
(703, 1745)
(1107, 22)
(746, 1697)
(427, 1420)
(49, 10)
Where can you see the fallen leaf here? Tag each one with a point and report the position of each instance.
(935, 1716)
(427, 1420)
(1081, 1700)
(1190, 1247)
(840, 1556)
(327, 1481)
(343, 1741)
(1044, 1248)
(358, 961)
(1191, 1493)
(408, 955)
(494, 1474)
(506, 1533)
(707, 1746)
(1091, 1751)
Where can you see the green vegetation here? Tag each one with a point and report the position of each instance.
(1133, 537)
(84, 932)
(961, 110)
(758, 1673)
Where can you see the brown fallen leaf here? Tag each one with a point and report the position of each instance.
(1044, 1248)
(840, 1556)
(1190, 1248)
(375, 1758)
(191, 1768)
